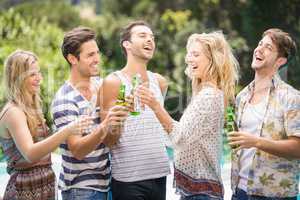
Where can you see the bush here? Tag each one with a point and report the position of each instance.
(40, 37)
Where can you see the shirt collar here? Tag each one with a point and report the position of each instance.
(276, 80)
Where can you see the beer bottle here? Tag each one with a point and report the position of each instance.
(230, 121)
(136, 81)
(121, 96)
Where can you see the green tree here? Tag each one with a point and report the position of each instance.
(43, 39)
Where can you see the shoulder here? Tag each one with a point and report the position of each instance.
(210, 100)
(162, 81)
(65, 98)
(66, 91)
(210, 92)
(14, 118)
(97, 81)
(109, 89)
(242, 94)
(65, 95)
(288, 95)
(111, 81)
(209, 95)
(14, 113)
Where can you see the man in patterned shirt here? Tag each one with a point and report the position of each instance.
(265, 166)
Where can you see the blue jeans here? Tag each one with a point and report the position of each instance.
(199, 197)
(83, 194)
(242, 195)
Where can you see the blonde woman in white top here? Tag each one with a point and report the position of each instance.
(197, 137)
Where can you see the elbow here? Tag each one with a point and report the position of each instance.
(30, 158)
(297, 156)
(76, 150)
(77, 154)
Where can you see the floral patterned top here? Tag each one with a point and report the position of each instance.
(197, 141)
(270, 175)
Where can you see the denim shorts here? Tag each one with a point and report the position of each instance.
(83, 194)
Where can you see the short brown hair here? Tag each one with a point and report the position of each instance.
(74, 39)
(285, 44)
(126, 32)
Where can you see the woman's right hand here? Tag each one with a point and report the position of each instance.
(147, 97)
(79, 126)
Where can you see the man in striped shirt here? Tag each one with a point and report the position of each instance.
(85, 172)
(139, 159)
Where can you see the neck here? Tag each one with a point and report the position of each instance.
(265, 72)
(81, 83)
(77, 80)
(134, 66)
(263, 79)
(210, 82)
(198, 84)
(262, 83)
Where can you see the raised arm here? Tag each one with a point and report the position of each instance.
(16, 124)
(107, 98)
(206, 107)
(148, 98)
(288, 146)
(81, 145)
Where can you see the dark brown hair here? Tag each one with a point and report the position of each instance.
(126, 32)
(74, 39)
(285, 44)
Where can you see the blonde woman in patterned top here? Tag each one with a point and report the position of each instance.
(24, 135)
(197, 137)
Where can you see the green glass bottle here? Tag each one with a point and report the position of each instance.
(230, 121)
(136, 81)
(1, 154)
(121, 96)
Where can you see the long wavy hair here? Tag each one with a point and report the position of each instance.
(224, 66)
(16, 71)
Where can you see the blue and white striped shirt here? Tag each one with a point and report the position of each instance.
(92, 172)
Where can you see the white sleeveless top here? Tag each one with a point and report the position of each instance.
(140, 153)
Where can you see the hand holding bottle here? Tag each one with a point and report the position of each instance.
(79, 126)
(136, 81)
(123, 100)
(115, 118)
(147, 97)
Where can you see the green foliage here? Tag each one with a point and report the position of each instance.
(40, 37)
(57, 12)
(257, 16)
(39, 25)
(108, 29)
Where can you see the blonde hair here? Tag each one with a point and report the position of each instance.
(16, 71)
(223, 68)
